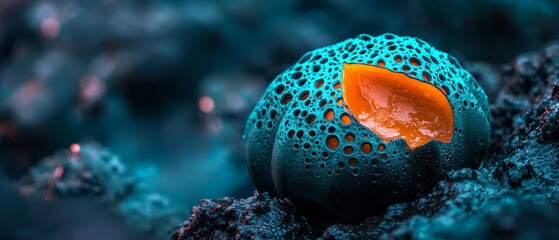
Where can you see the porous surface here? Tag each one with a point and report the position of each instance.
(303, 143)
(513, 195)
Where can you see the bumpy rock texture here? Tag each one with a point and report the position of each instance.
(304, 142)
(215, 217)
(514, 194)
(91, 170)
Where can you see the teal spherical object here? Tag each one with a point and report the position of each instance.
(348, 146)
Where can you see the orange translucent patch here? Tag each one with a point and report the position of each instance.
(394, 105)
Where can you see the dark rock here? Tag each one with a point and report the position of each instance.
(89, 170)
(523, 84)
(514, 194)
(544, 119)
(257, 217)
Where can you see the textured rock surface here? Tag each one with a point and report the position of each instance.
(515, 194)
(243, 219)
(92, 171)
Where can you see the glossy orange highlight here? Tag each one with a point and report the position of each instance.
(394, 105)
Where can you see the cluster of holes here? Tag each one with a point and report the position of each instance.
(346, 150)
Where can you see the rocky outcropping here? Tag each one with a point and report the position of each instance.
(514, 194)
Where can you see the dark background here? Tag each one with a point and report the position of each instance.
(168, 85)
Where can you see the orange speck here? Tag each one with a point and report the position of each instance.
(366, 148)
(352, 162)
(206, 104)
(75, 148)
(310, 119)
(291, 134)
(348, 150)
(332, 142)
(339, 102)
(286, 98)
(381, 147)
(304, 95)
(58, 171)
(380, 63)
(426, 76)
(50, 27)
(394, 105)
(345, 119)
(319, 83)
(91, 87)
(329, 115)
(337, 85)
(349, 137)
